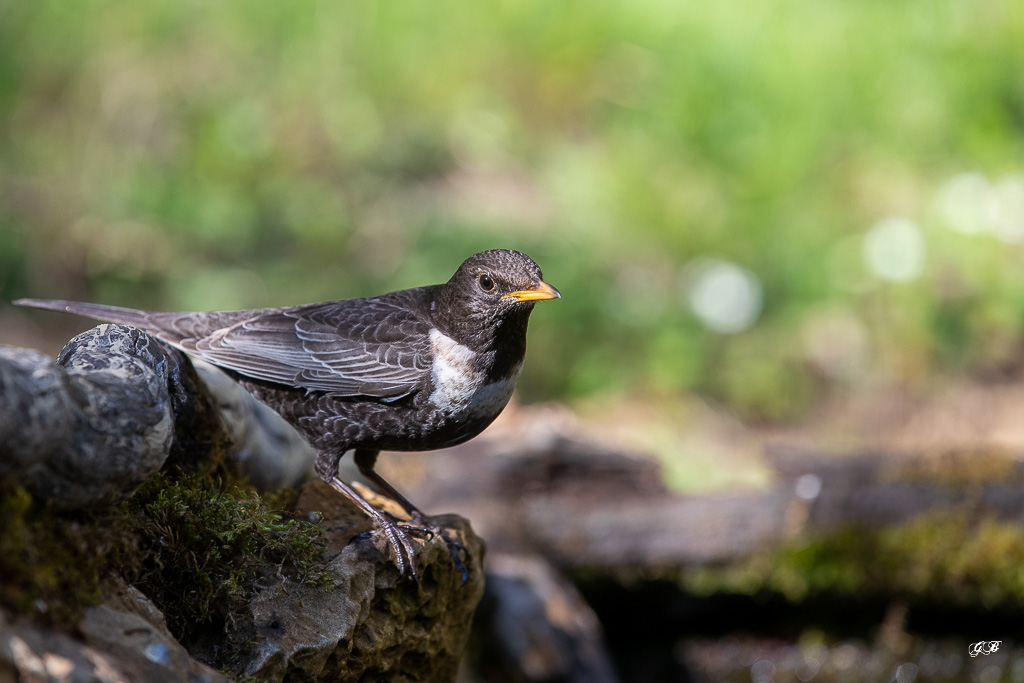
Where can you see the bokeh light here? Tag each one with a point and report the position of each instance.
(894, 249)
(724, 296)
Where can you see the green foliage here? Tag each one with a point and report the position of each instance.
(194, 155)
(942, 557)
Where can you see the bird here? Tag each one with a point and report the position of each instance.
(412, 370)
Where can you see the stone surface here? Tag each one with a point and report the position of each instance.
(534, 626)
(372, 624)
(117, 646)
(264, 446)
(114, 412)
(34, 404)
(117, 405)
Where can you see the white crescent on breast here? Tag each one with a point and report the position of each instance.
(459, 391)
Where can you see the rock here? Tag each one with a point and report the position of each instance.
(264, 446)
(534, 626)
(113, 424)
(117, 406)
(368, 624)
(372, 624)
(130, 631)
(34, 405)
(118, 645)
(32, 653)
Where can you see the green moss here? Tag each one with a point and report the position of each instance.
(957, 468)
(51, 563)
(193, 545)
(942, 557)
(199, 549)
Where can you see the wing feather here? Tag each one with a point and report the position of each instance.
(377, 347)
(373, 349)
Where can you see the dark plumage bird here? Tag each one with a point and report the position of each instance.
(412, 370)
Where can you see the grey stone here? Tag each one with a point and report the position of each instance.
(372, 624)
(117, 646)
(34, 403)
(94, 426)
(141, 649)
(540, 627)
(264, 446)
(117, 405)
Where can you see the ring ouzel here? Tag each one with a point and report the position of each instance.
(412, 370)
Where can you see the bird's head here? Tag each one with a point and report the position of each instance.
(492, 288)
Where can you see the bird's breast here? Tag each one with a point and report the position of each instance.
(462, 391)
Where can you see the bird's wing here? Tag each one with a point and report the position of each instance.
(374, 348)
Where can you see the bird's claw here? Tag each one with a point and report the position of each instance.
(429, 531)
(397, 532)
(400, 545)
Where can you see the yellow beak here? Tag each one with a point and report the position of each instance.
(539, 293)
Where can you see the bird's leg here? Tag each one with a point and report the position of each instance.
(365, 460)
(326, 466)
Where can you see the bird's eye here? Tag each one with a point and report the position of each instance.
(486, 283)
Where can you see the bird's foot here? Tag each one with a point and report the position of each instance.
(401, 545)
(405, 554)
(421, 526)
(397, 532)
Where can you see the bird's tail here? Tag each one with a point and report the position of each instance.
(113, 314)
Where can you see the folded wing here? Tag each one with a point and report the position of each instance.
(376, 349)
(354, 347)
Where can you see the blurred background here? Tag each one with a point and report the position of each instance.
(795, 222)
